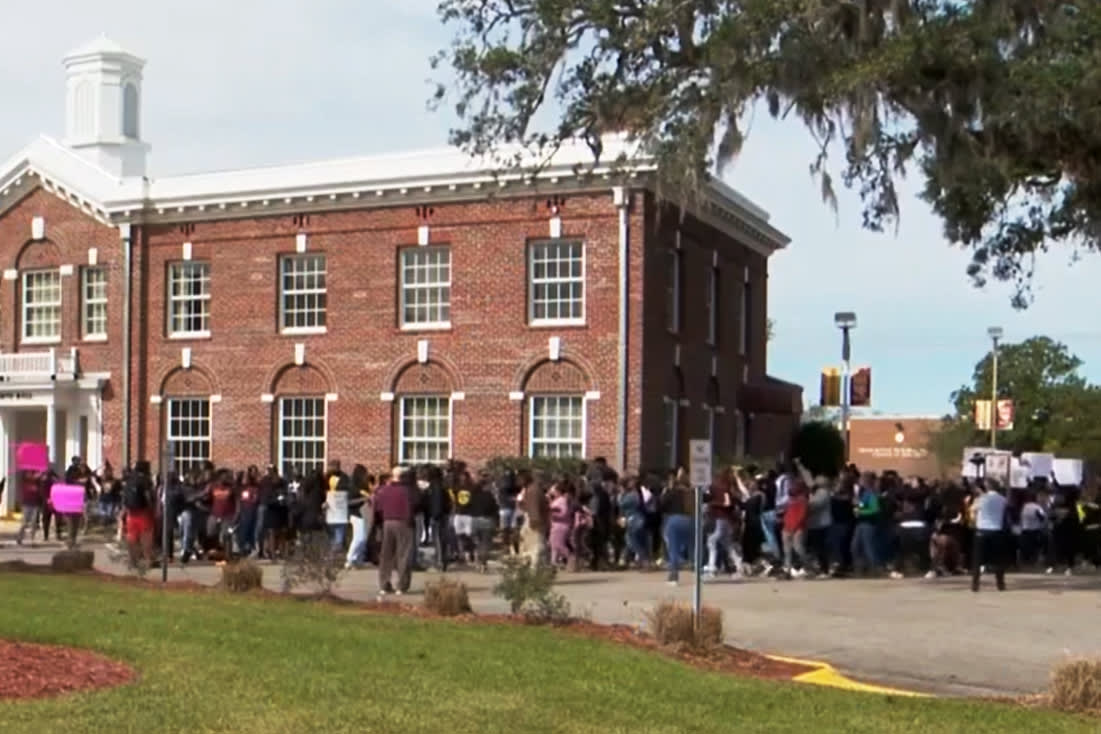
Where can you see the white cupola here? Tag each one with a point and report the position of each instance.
(103, 107)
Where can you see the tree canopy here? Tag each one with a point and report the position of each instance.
(992, 102)
(1056, 409)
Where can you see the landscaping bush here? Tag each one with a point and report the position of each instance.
(447, 598)
(530, 591)
(312, 563)
(72, 561)
(1076, 686)
(242, 576)
(670, 623)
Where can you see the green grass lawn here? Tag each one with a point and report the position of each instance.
(219, 663)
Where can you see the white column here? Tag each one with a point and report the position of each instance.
(7, 502)
(72, 433)
(95, 433)
(51, 432)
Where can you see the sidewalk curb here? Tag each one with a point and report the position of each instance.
(828, 676)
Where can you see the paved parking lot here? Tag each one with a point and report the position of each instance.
(933, 636)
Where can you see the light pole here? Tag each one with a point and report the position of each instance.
(995, 334)
(846, 321)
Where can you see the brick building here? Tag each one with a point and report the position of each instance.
(398, 307)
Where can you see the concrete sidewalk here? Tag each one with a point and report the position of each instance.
(931, 636)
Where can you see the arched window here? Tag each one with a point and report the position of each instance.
(130, 111)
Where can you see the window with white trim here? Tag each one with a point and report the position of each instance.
(93, 302)
(42, 306)
(425, 287)
(303, 298)
(187, 427)
(672, 292)
(556, 274)
(713, 307)
(300, 434)
(424, 429)
(189, 299)
(670, 419)
(556, 426)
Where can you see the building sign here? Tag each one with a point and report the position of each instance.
(892, 452)
(15, 396)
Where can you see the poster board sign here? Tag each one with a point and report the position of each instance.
(1068, 472)
(1039, 464)
(67, 499)
(1020, 473)
(996, 467)
(336, 508)
(31, 456)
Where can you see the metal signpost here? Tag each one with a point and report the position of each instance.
(168, 460)
(700, 474)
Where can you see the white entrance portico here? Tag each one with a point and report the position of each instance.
(44, 397)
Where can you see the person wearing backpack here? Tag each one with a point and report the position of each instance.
(137, 499)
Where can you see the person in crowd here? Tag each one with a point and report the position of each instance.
(139, 501)
(1089, 521)
(677, 503)
(990, 532)
(865, 542)
(220, 496)
(600, 512)
(358, 503)
(31, 500)
(563, 509)
(1033, 539)
(463, 521)
(795, 530)
(393, 504)
(484, 514)
(338, 486)
(438, 508)
(511, 517)
(248, 515)
(1065, 527)
(536, 509)
(632, 514)
(723, 505)
(110, 495)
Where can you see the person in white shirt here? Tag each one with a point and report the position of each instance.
(990, 536)
(1033, 530)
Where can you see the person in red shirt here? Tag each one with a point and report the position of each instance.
(795, 530)
(223, 510)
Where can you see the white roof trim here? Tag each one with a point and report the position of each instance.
(446, 173)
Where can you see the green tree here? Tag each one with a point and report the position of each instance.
(993, 102)
(1055, 408)
(821, 448)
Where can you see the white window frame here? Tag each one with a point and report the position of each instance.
(40, 308)
(713, 307)
(408, 458)
(743, 315)
(91, 303)
(318, 311)
(283, 440)
(581, 442)
(534, 247)
(203, 299)
(428, 288)
(672, 293)
(670, 410)
(185, 462)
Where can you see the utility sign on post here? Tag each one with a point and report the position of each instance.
(699, 463)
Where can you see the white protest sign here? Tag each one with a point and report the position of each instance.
(336, 508)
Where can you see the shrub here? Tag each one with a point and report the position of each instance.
(521, 582)
(242, 576)
(447, 598)
(1076, 686)
(670, 623)
(312, 563)
(72, 561)
(547, 608)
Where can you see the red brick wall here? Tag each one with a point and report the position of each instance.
(69, 235)
(486, 354)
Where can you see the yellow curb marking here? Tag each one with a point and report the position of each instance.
(826, 675)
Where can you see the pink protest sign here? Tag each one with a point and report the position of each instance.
(31, 456)
(67, 499)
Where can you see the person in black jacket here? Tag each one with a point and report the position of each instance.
(600, 508)
(484, 512)
(439, 515)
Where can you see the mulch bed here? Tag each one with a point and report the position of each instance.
(725, 659)
(38, 671)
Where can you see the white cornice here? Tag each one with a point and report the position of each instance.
(356, 183)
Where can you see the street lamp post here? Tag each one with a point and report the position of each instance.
(846, 321)
(995, 334)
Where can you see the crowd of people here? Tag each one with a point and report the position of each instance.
(781, 522)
